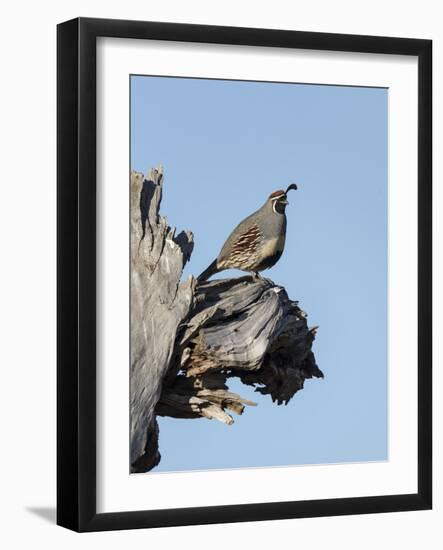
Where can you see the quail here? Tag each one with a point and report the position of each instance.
(257, 242)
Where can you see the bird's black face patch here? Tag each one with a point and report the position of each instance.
(279, 205)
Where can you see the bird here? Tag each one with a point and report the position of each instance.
(257, 242)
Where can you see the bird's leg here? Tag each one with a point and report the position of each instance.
(260, 279)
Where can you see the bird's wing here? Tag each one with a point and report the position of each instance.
(243, 243)
(249, 238)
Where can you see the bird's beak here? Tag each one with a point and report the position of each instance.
(284, 201)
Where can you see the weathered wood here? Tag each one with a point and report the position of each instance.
(159, 302)
(188, 340)
(207, 395)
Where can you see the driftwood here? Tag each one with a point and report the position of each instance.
(188, 340)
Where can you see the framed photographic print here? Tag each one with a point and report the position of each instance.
(244, 274)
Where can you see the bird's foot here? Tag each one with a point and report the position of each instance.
(256, 277)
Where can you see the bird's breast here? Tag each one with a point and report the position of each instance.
(273, 246)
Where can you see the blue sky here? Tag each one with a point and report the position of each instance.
(225, 146)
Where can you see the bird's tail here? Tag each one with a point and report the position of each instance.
(208, 272)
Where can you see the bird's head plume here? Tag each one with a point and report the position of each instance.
(279, 200)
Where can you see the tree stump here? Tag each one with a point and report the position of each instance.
(188, 340)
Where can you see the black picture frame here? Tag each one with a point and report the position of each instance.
(76, 274)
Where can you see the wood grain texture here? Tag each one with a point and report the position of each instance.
(159, 302)
(188, 340)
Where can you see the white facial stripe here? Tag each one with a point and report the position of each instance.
(278, 197)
